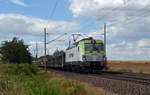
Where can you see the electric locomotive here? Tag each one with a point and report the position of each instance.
(87, 53)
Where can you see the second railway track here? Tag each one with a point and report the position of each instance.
(124, 77)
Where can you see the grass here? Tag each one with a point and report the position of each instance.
(129, 66)
(26, 79)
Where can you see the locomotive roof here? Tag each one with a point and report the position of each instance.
(90, 38)
(76, 43)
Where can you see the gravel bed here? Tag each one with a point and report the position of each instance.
(111, 85)
(141, 75)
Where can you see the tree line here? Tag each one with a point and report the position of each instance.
(15, 51)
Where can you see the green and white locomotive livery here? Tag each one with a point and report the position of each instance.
(87, 53)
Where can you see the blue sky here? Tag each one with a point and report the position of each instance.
(128, 32)
(44, 9)
(37, 8)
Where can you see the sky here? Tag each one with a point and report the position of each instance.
(128, 31)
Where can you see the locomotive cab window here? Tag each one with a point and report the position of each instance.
(93, 47)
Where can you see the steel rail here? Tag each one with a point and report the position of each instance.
(119, 76)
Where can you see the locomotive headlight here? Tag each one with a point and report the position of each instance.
(105, 58)
(84, 57)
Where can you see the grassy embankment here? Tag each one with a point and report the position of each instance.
(129, 66)
(25, 79)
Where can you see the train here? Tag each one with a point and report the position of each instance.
(85, 54)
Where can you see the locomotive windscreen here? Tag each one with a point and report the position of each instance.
(94, 47)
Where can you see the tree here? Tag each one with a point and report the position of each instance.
(58, 53)
(15, 51)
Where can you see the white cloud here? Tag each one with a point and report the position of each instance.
(30, 26)
(35, 42)
(144, 43)
(127, 51)
(31, 29)
(128, 31)
(89, 7)
(108, 9)
(18, 2)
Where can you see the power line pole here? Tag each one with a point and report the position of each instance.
(34, 53)
(45, 47)
(48, 52)
(36, 50)
(105, 37)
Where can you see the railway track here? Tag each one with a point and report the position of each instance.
(123, 76)
(127, 78)
(136, 78)
(121, 83)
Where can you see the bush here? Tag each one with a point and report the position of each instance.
(15, 51)
(19, 69)
(107, 68)
(141, 72)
